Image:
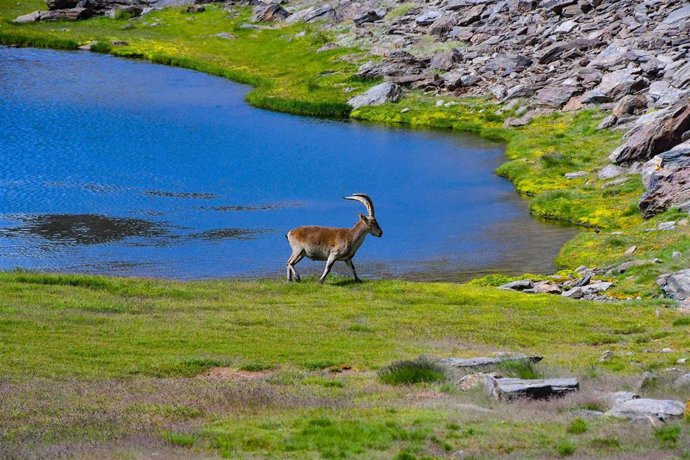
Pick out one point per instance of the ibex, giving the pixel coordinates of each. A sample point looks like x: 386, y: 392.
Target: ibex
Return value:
x: 332, y: 244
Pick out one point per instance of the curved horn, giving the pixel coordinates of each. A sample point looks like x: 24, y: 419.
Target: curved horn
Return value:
x: 365, y: 200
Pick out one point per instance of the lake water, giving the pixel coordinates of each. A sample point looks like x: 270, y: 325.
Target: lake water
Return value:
x: 127, y: 168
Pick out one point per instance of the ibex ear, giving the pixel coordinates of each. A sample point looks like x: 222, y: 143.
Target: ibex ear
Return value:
x: 364, y: 218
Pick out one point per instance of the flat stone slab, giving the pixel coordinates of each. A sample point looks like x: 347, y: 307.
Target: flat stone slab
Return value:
x: 509, y: 388
x: 483, y: 361
x: 661, y: 409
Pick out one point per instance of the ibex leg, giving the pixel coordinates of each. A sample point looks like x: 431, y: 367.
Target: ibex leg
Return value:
x: 329, y: 265
x: 352, y: 267
x: 294, y: 258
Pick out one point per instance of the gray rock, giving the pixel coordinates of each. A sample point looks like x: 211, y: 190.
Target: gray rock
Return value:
x: 610, y: 171
x: 518, y: 285
x: 662, y: 94
x: 321, y: 13
x: 575, y: 175
x: 473, y: 15
x: 510, y: 388
x: 378, y: 95
x: 676, y: 285
x: 465, y: 363
x: 660, y: 409
x: 442, y: 26
x: 270, y: 13
x: 676, y: 20
x: 27, y: 18
x: 630, y: 105
x: 544, y: 287
x: 620, y: 397
x: 683, y: 381
x: 667, y: 179
x: 555, y: 96
x: 615, y: 85
x: 607, y: 122
x: 654, y: 134
x: 427, y: 18
x: 579, y: 292
x: 369, y: 16
x: 445, y: 60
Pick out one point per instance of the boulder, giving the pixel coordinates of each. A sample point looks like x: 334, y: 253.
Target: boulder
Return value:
x: 473, y: 15
x: 630, y: 105
x: 659, y: 409
x: 615, y: 85
x: 71, y: 14
x: 442, y: 26
x: 676, y: 285
x: 511, y: 388
x: 34, y: 16
x: 667, y: 179
x: 556, y: 51
x: 317, y: 13
x: 555, y: 96
x: 519, y: 285
x: 544, y: 287
x: 369, y: 16
x: 270, y: 13
x: 445, y: 60
x: 378, y: 95
x: 427, y: 18
x: 557, y: 6
x: 607, y: 122
x: 610, y: 171
x: 655, y: 133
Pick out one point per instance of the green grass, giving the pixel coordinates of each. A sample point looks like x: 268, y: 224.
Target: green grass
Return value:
x: 420, y: 370
x: 284, y: 68
x: 71, y: 325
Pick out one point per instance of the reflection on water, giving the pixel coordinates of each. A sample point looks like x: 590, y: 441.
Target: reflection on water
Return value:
x: 84, y: 229
x: 229, y: 233
x: 129, y: 168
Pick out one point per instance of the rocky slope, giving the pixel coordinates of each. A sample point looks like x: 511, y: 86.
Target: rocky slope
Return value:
x: 630, y: 57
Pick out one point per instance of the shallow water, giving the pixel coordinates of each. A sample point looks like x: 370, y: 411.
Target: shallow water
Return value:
x: 121, y: 167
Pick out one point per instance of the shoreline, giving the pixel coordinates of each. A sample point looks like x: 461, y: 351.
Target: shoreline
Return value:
x: 540, y: 154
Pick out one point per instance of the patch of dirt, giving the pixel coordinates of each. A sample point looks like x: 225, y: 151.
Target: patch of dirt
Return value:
x: 231, y: 373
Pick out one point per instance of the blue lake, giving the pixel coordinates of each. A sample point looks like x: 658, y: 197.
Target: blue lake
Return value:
x: 128, y: 168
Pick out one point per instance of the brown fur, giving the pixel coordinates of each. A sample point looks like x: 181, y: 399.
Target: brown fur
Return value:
x: 330, y: 244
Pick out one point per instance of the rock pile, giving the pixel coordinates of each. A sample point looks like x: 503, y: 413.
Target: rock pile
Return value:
x: 576, y: 288
x: 74, y: 10
x: 627, y: 56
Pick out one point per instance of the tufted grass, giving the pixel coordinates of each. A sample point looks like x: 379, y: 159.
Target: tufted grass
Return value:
x: 412, y: 371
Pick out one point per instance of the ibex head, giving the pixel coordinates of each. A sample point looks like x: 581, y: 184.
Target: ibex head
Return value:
x: 370, y: 220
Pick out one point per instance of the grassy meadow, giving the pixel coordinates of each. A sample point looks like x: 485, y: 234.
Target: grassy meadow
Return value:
x: 132, y: 368
x: 269, y: 369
